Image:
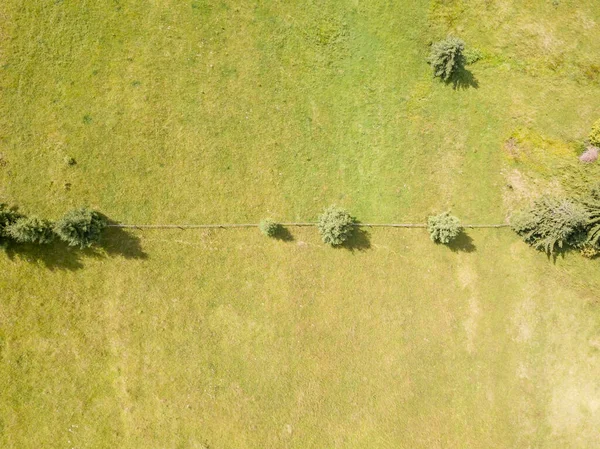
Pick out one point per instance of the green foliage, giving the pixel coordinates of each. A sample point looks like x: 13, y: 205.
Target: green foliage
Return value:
x: 472, y: 55
x: 443, y: 228
x: 269, y: 227
x: 8, y: 216
x: 31, y: 230
x: 335, y: 225
x: 595, y: 134
x: 80, y: 227
x: 447, y: 57
x: 551, y: 222
x: 591, y: 203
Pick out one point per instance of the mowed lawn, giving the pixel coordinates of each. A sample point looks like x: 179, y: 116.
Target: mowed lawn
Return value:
x: 215, y: 111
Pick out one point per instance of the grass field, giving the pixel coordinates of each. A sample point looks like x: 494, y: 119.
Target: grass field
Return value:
x: 227, y: 111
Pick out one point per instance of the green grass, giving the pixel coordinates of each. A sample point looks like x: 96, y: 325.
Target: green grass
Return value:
x: 208, y: 111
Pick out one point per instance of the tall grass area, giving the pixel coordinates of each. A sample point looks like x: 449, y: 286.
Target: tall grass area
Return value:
x: 225, y: 111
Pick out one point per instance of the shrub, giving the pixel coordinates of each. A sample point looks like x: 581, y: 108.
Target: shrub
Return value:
x: 31, y: 230
x: 595, y: 192
x: 335, y: 225
x: 551, y: 222
x: 443, y: 228
x: 595, y: 134
x: 8, y: 216
x: 80, y: 227
x: 269, y: 227
x: 447, y: 57
x: 591, y: 203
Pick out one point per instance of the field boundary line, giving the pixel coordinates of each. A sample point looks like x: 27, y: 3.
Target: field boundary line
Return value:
x: 297, y: 224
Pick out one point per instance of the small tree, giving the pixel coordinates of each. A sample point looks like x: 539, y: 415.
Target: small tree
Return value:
x: 31, y: 230
x: 443, y: 228
x: 447, y: 57
x: 80, y: 227
x: 591, y: 203
x: 269, y: 227
x: 551, y: 222
x: 335, y: 225
x: 8, y: 216
x: 595, y: 134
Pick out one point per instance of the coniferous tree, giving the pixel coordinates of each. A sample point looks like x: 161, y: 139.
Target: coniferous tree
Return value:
x: 80, y: 227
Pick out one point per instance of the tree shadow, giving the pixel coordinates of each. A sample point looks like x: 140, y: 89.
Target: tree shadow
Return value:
x: 560, y: 253
x: 282, y: 233
x: 53, y: 256
x: 359, y: 240
x: 463, y: 79
x: 462, y: 243
x: 121, y: 242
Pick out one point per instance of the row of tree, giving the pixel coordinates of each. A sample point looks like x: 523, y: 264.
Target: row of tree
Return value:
x: 83, y: 227
x: 550, y: 224
x: 336, y: 226
x: 78, y: 227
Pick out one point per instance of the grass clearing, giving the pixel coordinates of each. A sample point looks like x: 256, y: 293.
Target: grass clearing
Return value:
x: 216, y: 111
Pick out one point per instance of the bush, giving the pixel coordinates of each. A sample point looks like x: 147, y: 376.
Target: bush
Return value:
x: 31, y: 230
x: 447, y: 57
x: 551, y: 222
x: 335, y: 225
x: 595, y: 134
x: 269, y: 227
x: 8, y: 216
x: 472, y: 55
x: 443, y: 228
x: 80, y: 227
x: 591, y: 203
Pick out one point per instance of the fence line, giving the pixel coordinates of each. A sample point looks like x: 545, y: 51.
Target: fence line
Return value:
x: 255, y: 225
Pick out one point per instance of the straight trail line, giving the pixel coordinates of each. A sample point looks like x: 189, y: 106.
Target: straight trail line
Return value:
x: 255, y: 225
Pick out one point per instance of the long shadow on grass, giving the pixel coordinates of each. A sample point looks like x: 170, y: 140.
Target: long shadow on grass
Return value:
x: 120, y: 242
x: 359, y: 240
x: 462, y: 243
x: 463, y: 79
x: 283, y: 234
x: 54, y: 256
x: 59, y: 256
